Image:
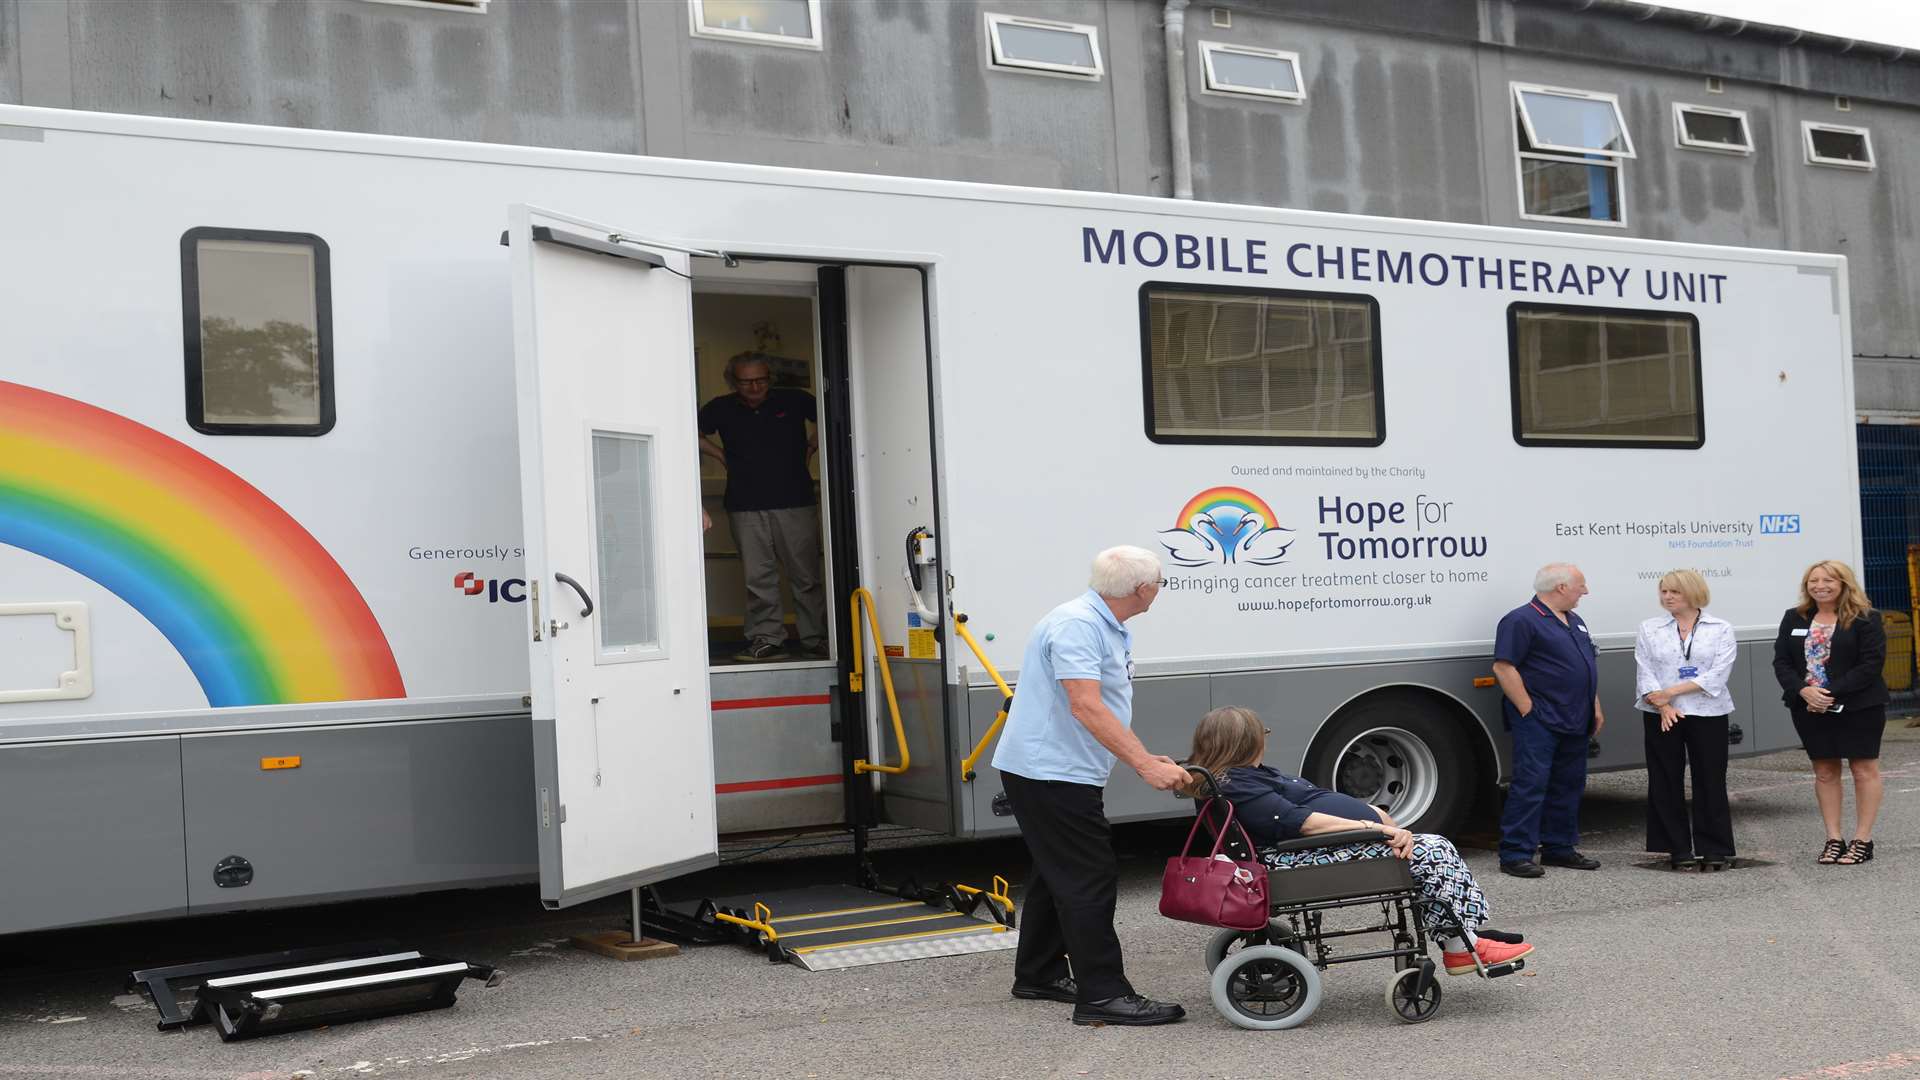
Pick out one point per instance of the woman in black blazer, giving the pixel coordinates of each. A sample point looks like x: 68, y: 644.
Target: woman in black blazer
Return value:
x: 1829, y: 658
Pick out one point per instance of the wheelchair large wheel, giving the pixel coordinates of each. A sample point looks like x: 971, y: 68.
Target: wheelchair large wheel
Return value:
x: 1408, y: 1005
x: 1266, y: 988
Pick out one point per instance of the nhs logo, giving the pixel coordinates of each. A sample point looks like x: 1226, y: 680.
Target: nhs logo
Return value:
x: 1779, y: 523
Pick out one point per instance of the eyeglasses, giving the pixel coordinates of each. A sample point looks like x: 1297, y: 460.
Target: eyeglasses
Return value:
x: 761, y: 381
x: 1266, y: 731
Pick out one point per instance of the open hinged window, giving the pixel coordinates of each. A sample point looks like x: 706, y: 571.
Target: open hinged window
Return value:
x: 1703, y: 127
x: 1838, y: 145
x: 1569, y: 146
x: 1242, y: 70
x: 1045, y: 47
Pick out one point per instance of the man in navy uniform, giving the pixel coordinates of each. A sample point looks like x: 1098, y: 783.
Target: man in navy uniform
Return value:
x: 1546, y: 664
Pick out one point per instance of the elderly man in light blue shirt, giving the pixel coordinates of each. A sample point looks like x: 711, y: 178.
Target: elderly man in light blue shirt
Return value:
x: 1071, y: 720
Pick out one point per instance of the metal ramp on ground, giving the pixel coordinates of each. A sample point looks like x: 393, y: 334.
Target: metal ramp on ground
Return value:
x: 826, y: 927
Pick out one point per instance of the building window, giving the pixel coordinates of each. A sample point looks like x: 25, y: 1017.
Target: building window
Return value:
x: 1044, y: 46
x: 259, y: 332
x: 1838, y: 145
x: 1604, y: 377
x: 477, y: 7
x: 793, y: 23
x: 1241, y: 70
x: 1253, y: 366
x: 1570, y: 145
x: 1702, y: 127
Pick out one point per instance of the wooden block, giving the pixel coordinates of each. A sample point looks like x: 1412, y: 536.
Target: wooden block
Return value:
x: 616, y: 944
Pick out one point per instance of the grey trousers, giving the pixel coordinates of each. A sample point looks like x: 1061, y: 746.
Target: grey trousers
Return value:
x: 771, y: 541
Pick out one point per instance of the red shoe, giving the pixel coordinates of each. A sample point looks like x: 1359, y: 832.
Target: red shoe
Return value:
x: 1492, y: 954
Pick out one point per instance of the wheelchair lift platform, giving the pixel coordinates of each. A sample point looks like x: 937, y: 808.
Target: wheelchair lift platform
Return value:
x: 825, y: 927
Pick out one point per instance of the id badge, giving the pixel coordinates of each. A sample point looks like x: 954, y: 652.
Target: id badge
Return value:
x: 1688, y: 671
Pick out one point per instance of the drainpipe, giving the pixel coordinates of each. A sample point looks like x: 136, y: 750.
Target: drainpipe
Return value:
x: 1179, y: 141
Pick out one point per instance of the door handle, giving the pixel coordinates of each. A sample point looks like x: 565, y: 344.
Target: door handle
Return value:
x: 584, y: 598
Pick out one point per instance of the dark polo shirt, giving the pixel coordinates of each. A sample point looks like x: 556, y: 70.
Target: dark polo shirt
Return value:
x: 766, y: 448
x: 1558, y: 662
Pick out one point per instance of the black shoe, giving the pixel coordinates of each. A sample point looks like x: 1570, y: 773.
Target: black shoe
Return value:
x: 814, y: 652
x: 1130, y: 1011
x: 1572, y: 860
x: 1676, y: 863
x: 1061, y: 989
x: 1524, y: 868
x: 761, y: 652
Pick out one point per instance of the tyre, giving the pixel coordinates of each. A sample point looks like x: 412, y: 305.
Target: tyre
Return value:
x: 1400, y: 752
x: 1265, y: 988
x: 1409, y: 1005
x: 1227, y: 942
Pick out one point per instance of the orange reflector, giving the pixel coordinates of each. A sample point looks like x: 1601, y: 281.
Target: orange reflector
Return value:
x: 280, y: 762
x: 1484, y: 680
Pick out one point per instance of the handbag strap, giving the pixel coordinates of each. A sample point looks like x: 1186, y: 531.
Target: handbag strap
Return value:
x: 1220, y: 834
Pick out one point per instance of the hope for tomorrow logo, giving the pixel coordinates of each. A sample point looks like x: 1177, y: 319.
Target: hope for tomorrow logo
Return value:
x: 1226, y: 525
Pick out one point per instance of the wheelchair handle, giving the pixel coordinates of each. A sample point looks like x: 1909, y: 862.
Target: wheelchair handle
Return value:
x: 1212, y: 786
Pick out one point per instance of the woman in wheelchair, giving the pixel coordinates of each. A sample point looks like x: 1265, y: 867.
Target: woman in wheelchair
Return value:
x: 1275, y: 807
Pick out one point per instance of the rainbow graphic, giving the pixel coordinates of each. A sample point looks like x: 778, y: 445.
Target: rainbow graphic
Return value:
x: 1236, y: 502
x: 255, y: 606
x: 1226, y: 525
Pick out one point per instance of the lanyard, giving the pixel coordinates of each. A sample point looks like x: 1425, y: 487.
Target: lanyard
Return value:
x: 1686, y: 640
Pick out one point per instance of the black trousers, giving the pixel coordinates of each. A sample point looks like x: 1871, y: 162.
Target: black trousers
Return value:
x: 1070, y: 896
x: 1703, y: 739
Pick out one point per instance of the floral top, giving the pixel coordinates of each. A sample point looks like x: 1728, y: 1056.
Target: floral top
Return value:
x: 1819, y: 646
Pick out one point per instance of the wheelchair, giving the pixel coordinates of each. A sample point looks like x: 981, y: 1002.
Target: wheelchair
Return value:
x: 1269, y: 979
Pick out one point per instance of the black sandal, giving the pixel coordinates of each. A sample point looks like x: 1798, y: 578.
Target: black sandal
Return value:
x: 1858, y: 852
x: 1830, y: 854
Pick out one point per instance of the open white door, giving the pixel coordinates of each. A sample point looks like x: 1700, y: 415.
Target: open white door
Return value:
x: 623, y: 745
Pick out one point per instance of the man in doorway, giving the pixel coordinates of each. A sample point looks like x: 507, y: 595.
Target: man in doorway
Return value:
x: 766, y: 439
x: 1071, y: 719
x: 1548, y: 668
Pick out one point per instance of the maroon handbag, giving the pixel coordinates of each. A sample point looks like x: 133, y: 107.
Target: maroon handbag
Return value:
x: 1212, y: 889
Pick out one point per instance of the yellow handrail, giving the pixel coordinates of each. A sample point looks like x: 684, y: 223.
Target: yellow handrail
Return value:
x: 762, y: 920
x: 1006, y: 698
x: 856, y: 681
x: 998, y: 893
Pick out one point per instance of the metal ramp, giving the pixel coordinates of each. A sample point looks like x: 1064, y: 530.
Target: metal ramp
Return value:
x: 825, y: 927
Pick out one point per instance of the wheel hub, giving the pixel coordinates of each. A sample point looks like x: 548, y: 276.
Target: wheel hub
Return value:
x: 1389, y: 767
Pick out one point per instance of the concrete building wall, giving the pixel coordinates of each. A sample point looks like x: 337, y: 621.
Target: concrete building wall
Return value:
x: 1408, y: 110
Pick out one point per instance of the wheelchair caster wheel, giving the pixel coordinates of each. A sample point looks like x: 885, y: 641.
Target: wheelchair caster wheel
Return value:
x: 1410, y: 1003
x: 1266, y: 988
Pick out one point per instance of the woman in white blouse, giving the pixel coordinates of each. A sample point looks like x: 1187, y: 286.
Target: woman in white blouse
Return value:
x: 1683, y: 659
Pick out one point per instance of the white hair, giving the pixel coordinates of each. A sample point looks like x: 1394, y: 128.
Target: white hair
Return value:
x: 1118, y: 571
x: 1552, y: 576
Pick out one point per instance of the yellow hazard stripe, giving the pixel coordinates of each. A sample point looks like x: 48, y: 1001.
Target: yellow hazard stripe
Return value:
x: 991, y: 928
x: 851, y: 911
x: 785, y: 934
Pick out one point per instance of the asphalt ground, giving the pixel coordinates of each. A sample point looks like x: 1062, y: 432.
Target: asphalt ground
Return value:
x: 1769, y: 972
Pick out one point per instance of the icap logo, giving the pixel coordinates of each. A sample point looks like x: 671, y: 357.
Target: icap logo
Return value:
x: 496, y: 589
x: 1226, y: 525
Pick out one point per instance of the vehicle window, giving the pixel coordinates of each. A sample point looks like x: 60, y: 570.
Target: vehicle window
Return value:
x: 258, y: 334
x: 1604, y: 377
x: 1260, y: 367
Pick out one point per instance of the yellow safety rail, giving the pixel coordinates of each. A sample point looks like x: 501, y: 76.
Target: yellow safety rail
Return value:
x: 762, y: 920
x: 1006, y: 698
x: 856, y: 681
x: 999, y: 893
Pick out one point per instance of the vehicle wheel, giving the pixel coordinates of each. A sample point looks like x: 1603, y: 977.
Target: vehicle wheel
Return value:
x: 1408, y: 1006
x: 1266, y: 988
x: 1401, y: 753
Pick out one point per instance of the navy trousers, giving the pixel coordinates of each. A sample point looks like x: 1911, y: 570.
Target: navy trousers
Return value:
x: 1543, y: 804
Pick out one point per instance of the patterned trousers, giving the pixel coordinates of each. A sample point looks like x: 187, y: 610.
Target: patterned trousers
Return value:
x: 1449, y: 897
